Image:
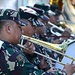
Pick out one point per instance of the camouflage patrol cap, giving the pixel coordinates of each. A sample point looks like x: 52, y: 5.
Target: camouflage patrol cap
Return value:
x: 42, y: 6
x: 40, y: 13
x: 9, y: 14
x: 46, y: 8
x: 55, y: 9
x: 31, y: 15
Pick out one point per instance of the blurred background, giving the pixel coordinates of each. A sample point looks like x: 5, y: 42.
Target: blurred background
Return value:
x: 15, y: 4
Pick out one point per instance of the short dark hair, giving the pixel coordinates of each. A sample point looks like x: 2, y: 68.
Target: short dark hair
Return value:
x: 3, y: 23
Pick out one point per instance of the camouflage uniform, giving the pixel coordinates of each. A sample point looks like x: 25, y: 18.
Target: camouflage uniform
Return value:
x: 14, y: 62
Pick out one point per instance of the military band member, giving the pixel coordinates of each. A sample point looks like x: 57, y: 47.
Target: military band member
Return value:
x: 12, y: 59
x: 26, y: 17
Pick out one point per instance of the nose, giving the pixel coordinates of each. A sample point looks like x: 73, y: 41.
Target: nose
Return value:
x: 22, y: 31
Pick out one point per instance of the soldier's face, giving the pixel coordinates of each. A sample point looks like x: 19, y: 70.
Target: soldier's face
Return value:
x: 28, y: 30
x: 16, y: 33
x: 41, y: 30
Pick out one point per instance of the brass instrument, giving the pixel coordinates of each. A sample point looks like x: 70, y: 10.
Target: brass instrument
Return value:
x: 54, y: 2
x: 53, y: 47
x: 43, y: 43
x: 41, y: 55
x: 48, y: 56
x: 54, y: 26
x: 60, y: 29
x: 59, y: 3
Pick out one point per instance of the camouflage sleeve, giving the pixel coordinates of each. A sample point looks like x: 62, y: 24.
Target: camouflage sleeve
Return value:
x: 60, y: 72
x: 13, y: 62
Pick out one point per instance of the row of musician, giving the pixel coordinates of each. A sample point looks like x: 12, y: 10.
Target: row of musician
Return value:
x: 43, y: 23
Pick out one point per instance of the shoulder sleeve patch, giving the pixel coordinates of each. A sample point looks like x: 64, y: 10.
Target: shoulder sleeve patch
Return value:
x: 1, y: 42
x: 19, y: 57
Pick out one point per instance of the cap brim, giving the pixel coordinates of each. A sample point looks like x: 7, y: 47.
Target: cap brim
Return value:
x: 51, y: 13
x: 21, y: 22
x: 37, y: 23
x: 45, y: 18
x: 57, y: 12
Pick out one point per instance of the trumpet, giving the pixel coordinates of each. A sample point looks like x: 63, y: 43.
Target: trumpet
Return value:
x: 59, y: 31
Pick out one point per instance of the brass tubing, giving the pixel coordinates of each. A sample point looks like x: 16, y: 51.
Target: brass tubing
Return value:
x: 42, y: 55
x: 54, y: 47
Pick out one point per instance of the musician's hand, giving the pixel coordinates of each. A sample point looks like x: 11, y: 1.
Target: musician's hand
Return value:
x: 52, y: 69
x: 43, y: 63
x: 69, y: 68
x: 67, y: 34
x: 30, y: 46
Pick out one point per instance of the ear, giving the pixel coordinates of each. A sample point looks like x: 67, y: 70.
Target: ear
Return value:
x: 34, y: 29
x: 8, y: 29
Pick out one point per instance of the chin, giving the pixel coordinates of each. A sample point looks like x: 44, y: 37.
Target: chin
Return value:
x: 17, y: 42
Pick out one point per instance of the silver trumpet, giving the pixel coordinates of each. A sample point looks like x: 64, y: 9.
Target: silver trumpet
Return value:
x: 57, y: 30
